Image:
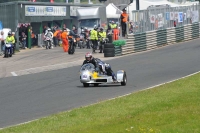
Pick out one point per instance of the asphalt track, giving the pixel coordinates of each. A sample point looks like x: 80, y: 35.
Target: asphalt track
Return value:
x: 32, y: 96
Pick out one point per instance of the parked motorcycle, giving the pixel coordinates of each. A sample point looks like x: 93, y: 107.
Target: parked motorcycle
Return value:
x: 8, y: 50
x: 82, y: 41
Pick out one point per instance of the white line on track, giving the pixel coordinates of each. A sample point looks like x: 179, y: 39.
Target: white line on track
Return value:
x: 13, y: 73
x: 115, y: 97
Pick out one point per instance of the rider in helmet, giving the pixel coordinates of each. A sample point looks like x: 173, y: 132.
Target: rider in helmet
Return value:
x: 90, y: 59
x: 10, y: 39
x: 100, y: 66
x: 49, y: 34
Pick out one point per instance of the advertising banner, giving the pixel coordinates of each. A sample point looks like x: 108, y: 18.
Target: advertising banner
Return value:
x: 45, y: 10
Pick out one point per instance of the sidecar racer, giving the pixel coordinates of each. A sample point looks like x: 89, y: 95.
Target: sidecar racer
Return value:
x: 88, y: 76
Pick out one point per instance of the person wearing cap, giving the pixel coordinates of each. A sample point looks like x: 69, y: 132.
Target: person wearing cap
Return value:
x: 124, y: 19
x: 64, y: 37
x: 113, y: 25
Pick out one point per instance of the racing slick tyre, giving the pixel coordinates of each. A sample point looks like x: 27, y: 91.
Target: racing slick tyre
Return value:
x: 123, y: 83
x: 108, y: 45
x: 71, y: 49
x: 86, y: 84
x: 109, y: 52
x: 6, y: 54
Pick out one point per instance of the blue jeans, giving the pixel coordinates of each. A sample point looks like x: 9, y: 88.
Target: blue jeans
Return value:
x: 2, y: 47
x: 24, y: 43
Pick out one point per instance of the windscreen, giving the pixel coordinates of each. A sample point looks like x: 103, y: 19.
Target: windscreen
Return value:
x: 87, y: 66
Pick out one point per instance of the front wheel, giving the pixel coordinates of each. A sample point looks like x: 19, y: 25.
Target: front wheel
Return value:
x: 47, y: 45
x: 6, y: 53
x: 86, y: 84
x: 123, y: 83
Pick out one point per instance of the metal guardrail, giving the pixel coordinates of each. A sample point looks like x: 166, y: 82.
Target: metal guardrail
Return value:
x: 40, y: 40
x: 164, y: 17
x: 158, y: 38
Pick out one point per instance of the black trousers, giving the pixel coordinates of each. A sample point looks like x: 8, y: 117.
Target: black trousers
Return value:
x: 55, y: 41
x: 123, y: 29
x: 101, y: 47
x: 95, y: 43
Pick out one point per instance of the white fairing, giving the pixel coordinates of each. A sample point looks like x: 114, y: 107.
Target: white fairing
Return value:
x: 8, y: 45
x: 85, y: 76
x: 120, y: 75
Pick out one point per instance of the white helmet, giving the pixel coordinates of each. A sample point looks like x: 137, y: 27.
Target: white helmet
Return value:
x: 49, y: 29
x: 88, y: 56
x: 68, y: 30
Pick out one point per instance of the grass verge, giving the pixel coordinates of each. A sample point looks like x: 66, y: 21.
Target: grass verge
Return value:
x: 170, y: 108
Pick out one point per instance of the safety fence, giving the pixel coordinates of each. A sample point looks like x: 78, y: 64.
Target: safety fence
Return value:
x: 40, y: 40
x: 158, y: 38
x: 157, y: 18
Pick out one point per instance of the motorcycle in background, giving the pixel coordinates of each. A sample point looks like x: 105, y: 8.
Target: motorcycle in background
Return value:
x: 82, y: 41
x: 72, y: 45
x: 48, y: 43
x: 8, y: 50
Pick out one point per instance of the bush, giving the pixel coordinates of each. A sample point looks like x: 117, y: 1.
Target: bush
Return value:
x: 119, y: 42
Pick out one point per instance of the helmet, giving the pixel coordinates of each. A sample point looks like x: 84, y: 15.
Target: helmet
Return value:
x: 85, y: 28
x: 101, y: 29
x: 95, y: 27
x: 9, y: 33
x: 88, y: 56
x: 68, y: 30
x: 110, y: 21
x: 113, y: 22
x: 49, y: 29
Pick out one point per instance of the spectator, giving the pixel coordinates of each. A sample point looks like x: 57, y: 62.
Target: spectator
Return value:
x: 124, y: 19
x: 74, y: 29
x: 24, y: 40
x: 2, y: 40
x: 33, y: 38
x: 44, y: 29
x: 174, y: 23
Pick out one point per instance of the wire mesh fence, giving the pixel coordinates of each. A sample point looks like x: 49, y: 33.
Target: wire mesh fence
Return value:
x: 162, y: 18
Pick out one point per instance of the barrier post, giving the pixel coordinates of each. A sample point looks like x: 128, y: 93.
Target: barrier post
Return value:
x: 29, y: 37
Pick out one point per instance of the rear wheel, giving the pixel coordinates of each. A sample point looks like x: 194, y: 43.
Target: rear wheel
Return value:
x: 47, y: 44
x: 123, y: 83
x: 85, y: 84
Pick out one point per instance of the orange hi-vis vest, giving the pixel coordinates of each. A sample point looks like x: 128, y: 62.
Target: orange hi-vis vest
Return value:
x: 64, y: 35
x: 125, y: 17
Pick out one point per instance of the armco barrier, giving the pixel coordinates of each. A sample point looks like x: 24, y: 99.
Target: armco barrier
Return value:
x: 158, y: 38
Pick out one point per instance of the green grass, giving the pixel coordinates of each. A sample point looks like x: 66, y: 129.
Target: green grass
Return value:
x: 170, y: 108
